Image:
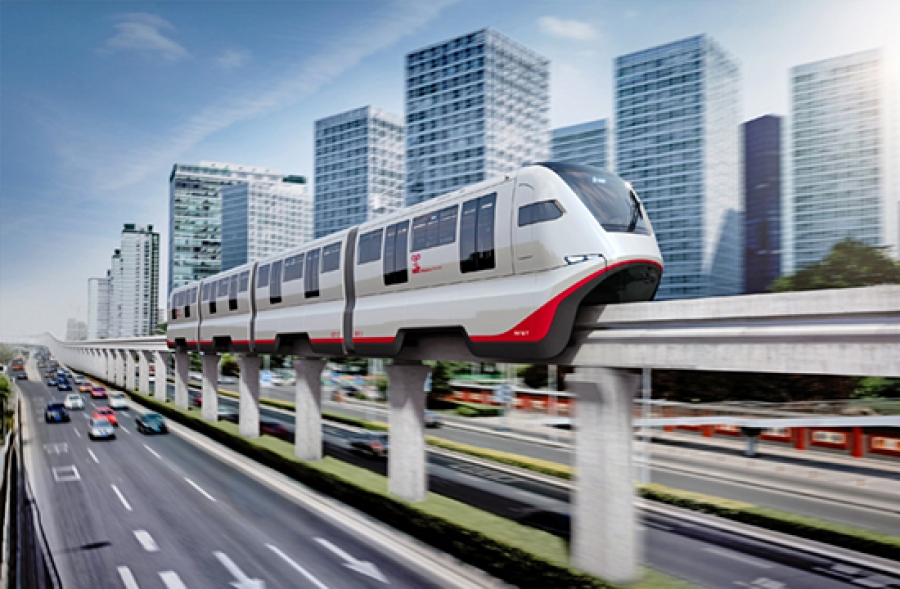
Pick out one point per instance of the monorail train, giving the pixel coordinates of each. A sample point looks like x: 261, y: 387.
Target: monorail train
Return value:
x: 503, y: 264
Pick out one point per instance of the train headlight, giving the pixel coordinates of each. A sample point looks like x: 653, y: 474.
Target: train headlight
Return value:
x: 582, y: 258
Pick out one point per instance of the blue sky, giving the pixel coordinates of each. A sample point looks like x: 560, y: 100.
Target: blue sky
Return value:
x: 99, y: 99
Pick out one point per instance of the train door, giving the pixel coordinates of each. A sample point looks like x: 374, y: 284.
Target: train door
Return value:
x: 523, y: 235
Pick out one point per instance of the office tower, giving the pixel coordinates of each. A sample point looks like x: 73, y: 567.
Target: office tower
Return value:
x: 116, y: 287
x: 762, y: 202
x: 195, y: 216
x: 264, y: 216
x: 840, y: 158
x: 98, y: 307
x: 586, y: 143
x: 359, y: 168
x: 76, y: 330
x: 677, y: 142
x: 476, y: 107
x: 134, y: 283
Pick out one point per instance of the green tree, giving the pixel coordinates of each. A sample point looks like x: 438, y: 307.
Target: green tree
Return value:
x: 229, y: 366
x: 874, y: 387
x: 4, y: 386
x: 849, y: 264
x: 6, y: 354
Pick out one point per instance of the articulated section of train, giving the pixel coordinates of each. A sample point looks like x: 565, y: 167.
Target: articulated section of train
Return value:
x: 504, y: 265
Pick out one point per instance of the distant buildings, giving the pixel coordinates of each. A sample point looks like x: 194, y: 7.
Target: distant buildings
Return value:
x: 359, y: 167
x: 586, y: 143
x: 476, y: 107
x: 840, y: 158
x: 76, y: 330
x: 676, y: 127
x: 98, y: 307
x: 762, y: 202
x: 263, y: 216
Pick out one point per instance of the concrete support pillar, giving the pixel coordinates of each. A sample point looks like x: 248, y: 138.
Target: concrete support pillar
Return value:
x: 308, y: 412
x: 604, y: 530
x: 130, y: 371
x: 248, y: 419
x: 110, y: 366
x: 406, y: 462
x: 210, y: 400
x: 120, y: 368
x: 144, y: 358
x: 182, y: 364
x: 161, y: 377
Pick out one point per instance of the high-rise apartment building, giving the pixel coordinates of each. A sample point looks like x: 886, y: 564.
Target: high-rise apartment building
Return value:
x: 76, y: 330
x: 98, y: 307
x: 264, y: 216
x: 476, y: 106
x: 677, y: 141
x: 359, y: 167
x: 116, y: 280
x: 195, y: 217
x: 587, y: 144
x: 762, y: 202
x: 134, y: 283
x: 841, y: 160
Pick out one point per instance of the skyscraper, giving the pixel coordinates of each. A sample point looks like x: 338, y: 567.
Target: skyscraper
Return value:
x: 677, y: 122
x: 476, y: 107
x: 134, y: 283
x: 586, y: 143
x: 762, y: 200
x: 264, y: 216
x: 195, y: 217
x: 359, y: 167
x: 98, y: 307
x: 840, y: 158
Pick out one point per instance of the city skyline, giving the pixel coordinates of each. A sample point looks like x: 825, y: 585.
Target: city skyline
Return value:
x: 67, y: 138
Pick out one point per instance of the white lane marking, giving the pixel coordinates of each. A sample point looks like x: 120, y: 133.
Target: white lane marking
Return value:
x: 127, y: 578
x: 121, y: 497
x: 242, y: 581
x: 152, y: 451
x: 739, y: 557
x: 122, y: 427
x: 76, y: 433
x: 146, y: 540
x: 94, y: 456
x: 196, y: 486
x: 66, y: 474
x: 360, y: 566
x: 171, y: 580
x: 297, y: 567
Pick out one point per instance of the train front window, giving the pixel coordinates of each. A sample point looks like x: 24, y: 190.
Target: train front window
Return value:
x: 611, y: 201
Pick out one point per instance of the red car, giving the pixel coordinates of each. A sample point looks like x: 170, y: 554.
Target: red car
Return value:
x: 107, y: 414
x: 98, y: 392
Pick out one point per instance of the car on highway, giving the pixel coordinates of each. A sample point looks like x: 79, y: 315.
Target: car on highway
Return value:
x: 118, y: 400
x: 195, y: 398
x: 228, y: 415
x: 49, y: 374
x: 21, y: 375
x: 371, y: 444
x: 55, y: 412
x: 106, y: 413
x: 433, y: 420
x: 74, y: 401
x: 151, y: 423
x: 195, y: 376
x: 51, y: 382
x: 276, y: 430
x: 101, y: 428
x: 63, y: 384
x: 98, y: 392
x: 85, y: 387
x: 227, y: 379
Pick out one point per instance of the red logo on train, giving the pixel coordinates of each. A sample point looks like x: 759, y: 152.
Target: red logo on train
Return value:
x: 415, y: 263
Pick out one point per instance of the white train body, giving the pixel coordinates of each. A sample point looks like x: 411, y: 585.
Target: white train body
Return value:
x: 503, y: 264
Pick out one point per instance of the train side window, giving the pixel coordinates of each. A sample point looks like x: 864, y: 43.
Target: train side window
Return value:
x: 293, y: 268
x: 539, y: 212
x: 245, y: 280
x: 311, y: 282
x: 331, y: 257
x: 396, y: 247
x: 233, y: 293
x: 447, y: 231
x: 262, y: 276
x: 434, y: 229
x: 476, y: 234
x: 369, y: 247
x: 175, y: 306
x: 204, y: 292
x: 223, y: 288
x: 186, y: 304
x: 275, y: 283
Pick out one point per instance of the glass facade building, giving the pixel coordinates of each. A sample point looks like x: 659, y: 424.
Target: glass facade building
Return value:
x: 134, y: 283
x: 264, y: 216
x: 762, y: 202
x: 677, y: 141
x: 359, y: 168
x: 195, y: 217
x: 586, y: 144
x: 98, y: 307
x: 840, y: 158
x: 477, y: 106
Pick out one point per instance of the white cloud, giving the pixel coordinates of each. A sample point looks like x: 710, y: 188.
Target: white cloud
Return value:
x: 143, y: 33
x: 231, y: 59
x: 567, y: 29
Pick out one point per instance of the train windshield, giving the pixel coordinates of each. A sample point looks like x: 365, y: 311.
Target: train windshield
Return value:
x: 612, y: 202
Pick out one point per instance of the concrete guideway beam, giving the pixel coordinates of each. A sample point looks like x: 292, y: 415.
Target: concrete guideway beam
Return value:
x: 110, y: 375
x: 248, y: 404
x: 161, y: 379
x: 407, y: 477
x: 120, y: 368
x: 130, y: 371
x: 210, y: 399
x: 144, y: 358
x: 308, y: 411
x: 604, y: 524
x: 182, y: 364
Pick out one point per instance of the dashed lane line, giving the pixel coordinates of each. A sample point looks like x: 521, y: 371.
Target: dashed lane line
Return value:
x: 739, y: 557
x: 196, y: 486
x: 121, y: 497
x: 77, y: 433
x: 297, y: 567
x: 152, y: 451
x: 94, y: 456
x: 127, y: 578
x: 171, y: 580
x: 122, y: 427
x: 146, y: 540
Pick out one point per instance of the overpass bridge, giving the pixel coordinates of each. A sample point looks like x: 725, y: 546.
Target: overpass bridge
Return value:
x: 832, y: 332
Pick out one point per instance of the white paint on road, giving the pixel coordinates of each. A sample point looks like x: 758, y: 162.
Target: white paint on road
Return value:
x: 171, y: 580
x: 76, y: 433
x: 363, y: 567
x: 146, y: 540
x: 196, y: 486
x: 127, y: 578
x: 94, y: 456
x: 121, y: 497
x: 122, y: 427
x: 242, y: 581
x: 152, y: 451
x: 66, y: 474
x: 739, y: 557
x: 297, y: 567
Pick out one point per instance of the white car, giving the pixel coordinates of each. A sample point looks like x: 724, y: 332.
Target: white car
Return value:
x: 117, y: 400
x: 73, y: 401
x: 101, y: 428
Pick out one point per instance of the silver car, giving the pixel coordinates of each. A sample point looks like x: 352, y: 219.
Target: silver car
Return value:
x: 74, y: 401
x: 101, y: 429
